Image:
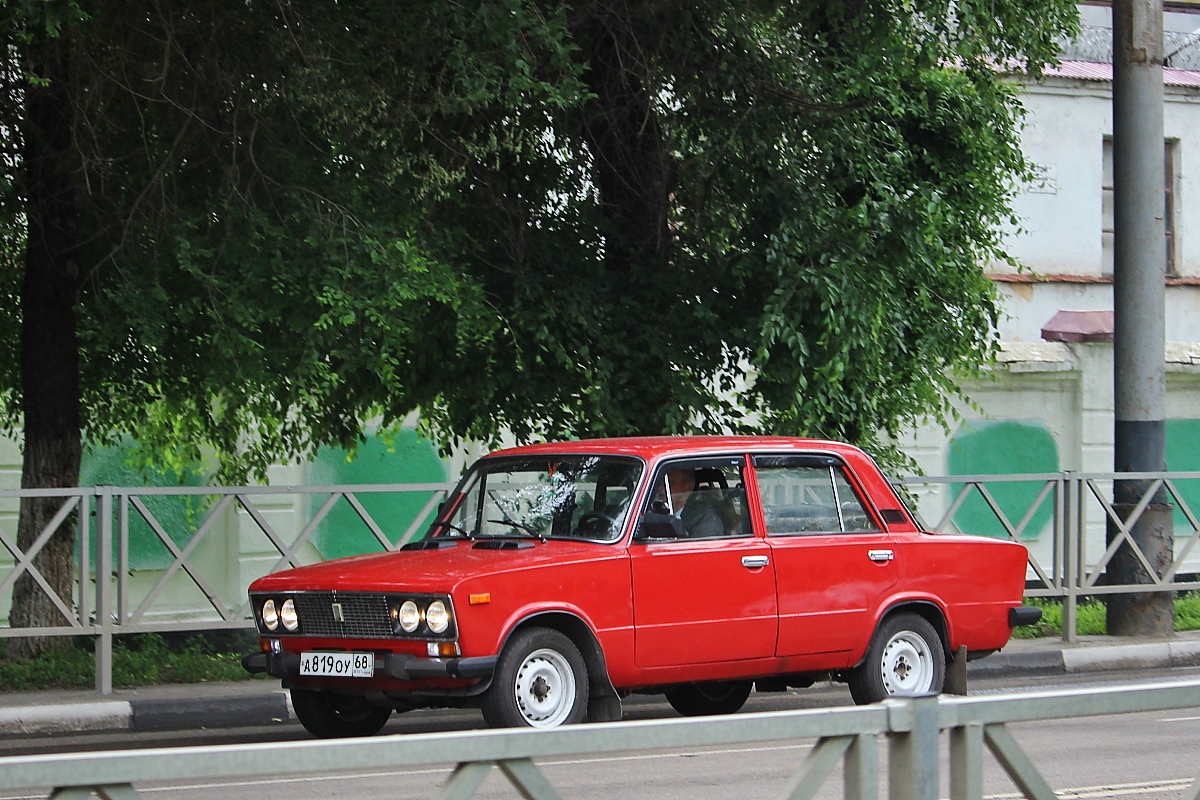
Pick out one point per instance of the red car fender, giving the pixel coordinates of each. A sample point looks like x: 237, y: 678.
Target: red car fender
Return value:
x: 573, y: 622
x: 927, y: 606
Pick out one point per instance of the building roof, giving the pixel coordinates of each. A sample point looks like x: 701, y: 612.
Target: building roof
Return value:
x: 1101, y: 72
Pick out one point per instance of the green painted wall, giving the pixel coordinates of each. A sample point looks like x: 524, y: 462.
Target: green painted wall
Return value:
x: 178, y: 516
x: 409, y: 459
x: 1003, y: 448
x: 1183, y: 455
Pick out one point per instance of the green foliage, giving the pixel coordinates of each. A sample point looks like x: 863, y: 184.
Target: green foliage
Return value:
x: 1187, y: 612
x: 554, y: 217
x: 1091, y: 619
x: 138, y: 661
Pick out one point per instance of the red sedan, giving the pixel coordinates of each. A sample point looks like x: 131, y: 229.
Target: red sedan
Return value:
x: 559, y: 578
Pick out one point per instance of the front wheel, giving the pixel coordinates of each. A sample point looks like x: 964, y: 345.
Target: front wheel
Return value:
x: 703, y: 699
x: 905, y: 659
x: 328, y: 715
x: 540, y: 682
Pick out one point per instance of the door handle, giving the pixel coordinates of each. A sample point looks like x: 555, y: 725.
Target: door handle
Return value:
x: 754, y: 562
x: 880, y: 556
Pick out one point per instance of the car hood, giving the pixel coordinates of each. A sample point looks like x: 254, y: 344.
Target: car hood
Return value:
x: 433, y: 570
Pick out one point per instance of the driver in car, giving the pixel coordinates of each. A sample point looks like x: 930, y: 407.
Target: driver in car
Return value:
x: 700, y: 520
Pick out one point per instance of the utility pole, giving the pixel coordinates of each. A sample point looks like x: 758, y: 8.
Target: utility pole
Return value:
x: 1139, y: 335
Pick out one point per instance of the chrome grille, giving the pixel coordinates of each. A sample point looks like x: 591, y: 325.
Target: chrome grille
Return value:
x: 364, y: 615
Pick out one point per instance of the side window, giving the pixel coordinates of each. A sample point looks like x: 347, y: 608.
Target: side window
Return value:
x: 854, y: 513
x: 706, y: 499
x: 808, y: 494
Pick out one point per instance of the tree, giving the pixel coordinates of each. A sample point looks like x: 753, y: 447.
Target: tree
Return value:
x: 555, y: 218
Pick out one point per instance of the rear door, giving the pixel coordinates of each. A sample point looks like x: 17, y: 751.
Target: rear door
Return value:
x: 709, y: 596
x: 833, y: 560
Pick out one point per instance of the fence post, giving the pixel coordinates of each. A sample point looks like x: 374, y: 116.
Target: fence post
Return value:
x: 1073, y: 533
x: 913, y: 748
x: 104, y: 644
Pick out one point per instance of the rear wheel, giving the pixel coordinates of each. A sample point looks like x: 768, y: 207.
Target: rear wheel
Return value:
x: 540, y: 682
x: 329, y: 715
x: 703, y: 699
x: 905, y: 659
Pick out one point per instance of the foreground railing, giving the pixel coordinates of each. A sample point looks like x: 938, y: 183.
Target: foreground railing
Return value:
x: 911, y: 730
x: 205, y: 564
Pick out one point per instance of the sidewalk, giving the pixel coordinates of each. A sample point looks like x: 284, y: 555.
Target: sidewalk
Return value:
x: 262, y: 702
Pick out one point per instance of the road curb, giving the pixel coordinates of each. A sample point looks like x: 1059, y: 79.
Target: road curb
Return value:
x: 213, y: 712
x: 158, y: 714
x: 1040, y: 662
x: 111, y: 715
x: 1132, y: 656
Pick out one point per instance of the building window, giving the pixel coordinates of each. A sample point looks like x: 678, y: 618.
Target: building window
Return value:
x: 1170, y: 178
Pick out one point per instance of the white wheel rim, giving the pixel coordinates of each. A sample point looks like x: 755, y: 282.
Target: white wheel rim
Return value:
x: 907, y: 665
x: 545, y: 689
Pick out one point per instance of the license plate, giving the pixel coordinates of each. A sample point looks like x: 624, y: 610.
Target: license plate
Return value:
x: 341, y: 665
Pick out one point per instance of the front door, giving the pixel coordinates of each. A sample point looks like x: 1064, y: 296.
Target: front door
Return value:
x: 706, y: 592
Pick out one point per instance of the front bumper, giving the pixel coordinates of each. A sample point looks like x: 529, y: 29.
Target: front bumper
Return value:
x: 394, y: 666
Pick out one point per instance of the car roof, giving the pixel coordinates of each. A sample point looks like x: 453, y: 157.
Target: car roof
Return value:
x: 654, y: 447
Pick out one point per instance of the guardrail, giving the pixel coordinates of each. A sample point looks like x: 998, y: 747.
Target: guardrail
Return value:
x: 911, y: 729
x: 1085, y: 531
x: 107, y: 600
x: 111, y: 595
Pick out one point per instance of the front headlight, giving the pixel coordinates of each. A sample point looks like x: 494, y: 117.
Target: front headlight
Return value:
x: 287, y: 615
x: 437, y: 617
x: 270, y: 616
x: 409, y: 616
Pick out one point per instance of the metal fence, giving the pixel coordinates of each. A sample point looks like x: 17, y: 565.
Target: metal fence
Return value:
x: 224, y: 537
x: 111, y: 596
x: 910, y: 729
x: 1069, y: 554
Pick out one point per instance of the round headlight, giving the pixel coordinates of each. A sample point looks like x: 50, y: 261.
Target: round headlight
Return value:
x: 437, y: 617
x: 287, y: 615
x: 270, y: 616
x: 409, y: 616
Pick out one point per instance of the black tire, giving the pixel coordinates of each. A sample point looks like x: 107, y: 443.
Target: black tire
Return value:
x: 540, y: 682
x: 703, y: 699
x: 328, y: 715
x: 905, y: 659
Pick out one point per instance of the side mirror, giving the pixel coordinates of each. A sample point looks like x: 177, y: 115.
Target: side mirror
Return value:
x: 658, y: 524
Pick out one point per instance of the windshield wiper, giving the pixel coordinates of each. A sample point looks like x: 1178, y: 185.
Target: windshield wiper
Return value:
x: 521, y: 526
x: 467, y: 534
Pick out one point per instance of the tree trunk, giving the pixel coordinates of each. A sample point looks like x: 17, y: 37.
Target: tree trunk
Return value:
x: 632, y: 165
x: 633, y: 172
x: 49, y: 349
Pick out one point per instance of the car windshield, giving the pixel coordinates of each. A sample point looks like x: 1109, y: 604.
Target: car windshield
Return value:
x: 586, y: 497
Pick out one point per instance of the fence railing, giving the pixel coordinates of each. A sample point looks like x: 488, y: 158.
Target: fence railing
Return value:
x: 911, y: 730
x: 219, y: 540
x: 1072, y: 528
x: 180, y: 559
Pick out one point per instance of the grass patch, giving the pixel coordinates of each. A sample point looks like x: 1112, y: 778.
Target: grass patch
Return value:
x: 141, y: 660
x: 1090, y: 617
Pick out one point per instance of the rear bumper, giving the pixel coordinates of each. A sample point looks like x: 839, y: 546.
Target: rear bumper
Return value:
x: 1023, y: 615
x: 394, y: 666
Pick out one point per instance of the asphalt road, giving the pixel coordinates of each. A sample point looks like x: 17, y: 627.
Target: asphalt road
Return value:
x: 1144, y: 756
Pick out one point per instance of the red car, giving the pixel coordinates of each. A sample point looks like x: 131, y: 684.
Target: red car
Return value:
x: 559, y: 578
